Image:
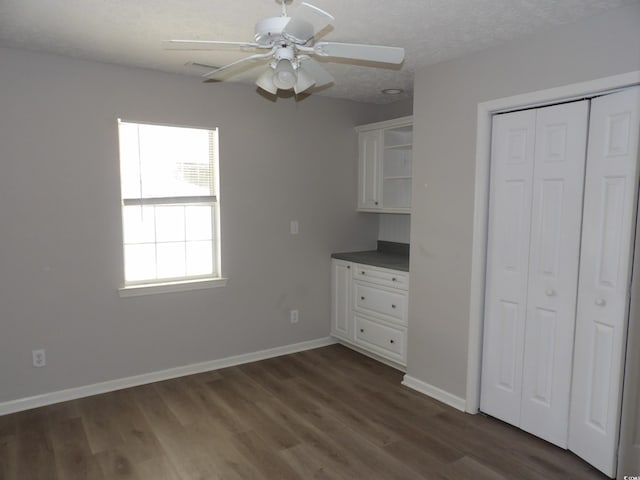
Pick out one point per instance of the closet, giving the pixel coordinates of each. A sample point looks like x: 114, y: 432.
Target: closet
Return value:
x: 563, y: 194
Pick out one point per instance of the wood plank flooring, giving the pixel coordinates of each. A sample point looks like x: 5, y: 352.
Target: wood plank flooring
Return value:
x: 328, y: 413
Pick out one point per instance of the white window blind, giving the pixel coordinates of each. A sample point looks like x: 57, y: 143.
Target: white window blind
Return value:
x: 169, y: 202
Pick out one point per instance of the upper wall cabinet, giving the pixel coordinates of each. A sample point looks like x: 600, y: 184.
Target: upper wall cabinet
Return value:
x: 384, y: 166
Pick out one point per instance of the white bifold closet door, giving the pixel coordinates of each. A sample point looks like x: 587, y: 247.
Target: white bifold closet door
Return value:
x: 537, y: 175
x: 554, y: 254
x: 513, y: 138
x: 609, y: 220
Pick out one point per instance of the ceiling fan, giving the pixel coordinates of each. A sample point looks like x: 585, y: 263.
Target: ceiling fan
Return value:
x: 289, y: 42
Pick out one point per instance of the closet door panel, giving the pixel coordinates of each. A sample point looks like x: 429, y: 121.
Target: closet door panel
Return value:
x: 560, y: 153
x: 507, y: 264
x: 605, y: 268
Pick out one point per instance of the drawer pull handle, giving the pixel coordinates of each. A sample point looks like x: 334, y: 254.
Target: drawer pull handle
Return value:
x: 376, y: 203
x: 393, y: 279
x: 348, y: 266
x: 392, y: 341
x: 361, y: 298
x: 362, y: 330
x: 362, y: 272
x: 393, y: 306
x: 601, y: 302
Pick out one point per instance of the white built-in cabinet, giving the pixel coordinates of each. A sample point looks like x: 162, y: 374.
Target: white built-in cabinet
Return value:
x: 385, y: 166
x: 369, y: 309
x: 563, y: 196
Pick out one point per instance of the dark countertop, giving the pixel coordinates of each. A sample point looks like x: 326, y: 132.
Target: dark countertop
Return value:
x: 388, y: 255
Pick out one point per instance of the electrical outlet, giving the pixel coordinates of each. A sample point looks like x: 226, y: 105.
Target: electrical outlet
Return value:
x: 39, y: 358
x: 293, y: 316
x: 294, y: 227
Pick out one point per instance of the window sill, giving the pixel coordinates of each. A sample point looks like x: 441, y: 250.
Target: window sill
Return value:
x: 171, y: 287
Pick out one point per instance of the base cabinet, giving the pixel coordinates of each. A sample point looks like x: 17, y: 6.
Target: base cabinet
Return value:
x: 369, y: 309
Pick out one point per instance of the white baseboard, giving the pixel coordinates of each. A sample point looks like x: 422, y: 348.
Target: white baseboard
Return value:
x: 118, y: 384
x: 434, y: 392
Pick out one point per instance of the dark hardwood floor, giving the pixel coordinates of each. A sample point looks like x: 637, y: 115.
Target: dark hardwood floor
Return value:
x: 328, y: 413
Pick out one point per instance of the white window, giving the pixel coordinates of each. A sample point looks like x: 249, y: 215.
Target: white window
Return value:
x: 169, y: 185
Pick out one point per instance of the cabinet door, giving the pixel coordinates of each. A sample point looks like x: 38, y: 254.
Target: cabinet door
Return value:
x: 341, y: 321
x: 507, y: 264
x: 560, y: 154
x: 611, y: 184
x: 369, y: 170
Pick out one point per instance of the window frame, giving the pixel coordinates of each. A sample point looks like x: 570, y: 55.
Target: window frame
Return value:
x: 131, y: 288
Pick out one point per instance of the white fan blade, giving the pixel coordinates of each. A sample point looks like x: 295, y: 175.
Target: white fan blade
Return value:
x: 315, y: 70
x: 214, y: 73
x: 205, y: 45
x: 355, y: 51
x: 306, y: 21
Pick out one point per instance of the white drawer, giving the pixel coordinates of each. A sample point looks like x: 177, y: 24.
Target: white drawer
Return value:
x: 390, y: 304
x: 385, y: 340
x: 381, y: 276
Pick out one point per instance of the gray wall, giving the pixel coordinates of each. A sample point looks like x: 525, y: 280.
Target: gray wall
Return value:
x: 445, y: 106
x: 394, y: 227
x: 60, y: 226
x: 400, y: 108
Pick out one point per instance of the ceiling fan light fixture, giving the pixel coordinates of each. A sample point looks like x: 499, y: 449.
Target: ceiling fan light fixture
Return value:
x: 288, y: 43
x: 265, y: 82
x: 304, y: 81
x: 284, y: 75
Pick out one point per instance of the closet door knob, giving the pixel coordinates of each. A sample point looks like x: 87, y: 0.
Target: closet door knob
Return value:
x: 392, y: 341
x: 550, y: 292
x: 393, y: 306
x: 393, y: 279
x: 362, y: 330
x: 601, y: 302
x: 361, y: 298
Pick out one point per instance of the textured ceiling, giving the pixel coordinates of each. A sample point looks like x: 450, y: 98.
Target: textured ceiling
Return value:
x: 130, y: 32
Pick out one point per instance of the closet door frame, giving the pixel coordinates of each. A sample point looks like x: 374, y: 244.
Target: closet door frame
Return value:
x: 481, y: 201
